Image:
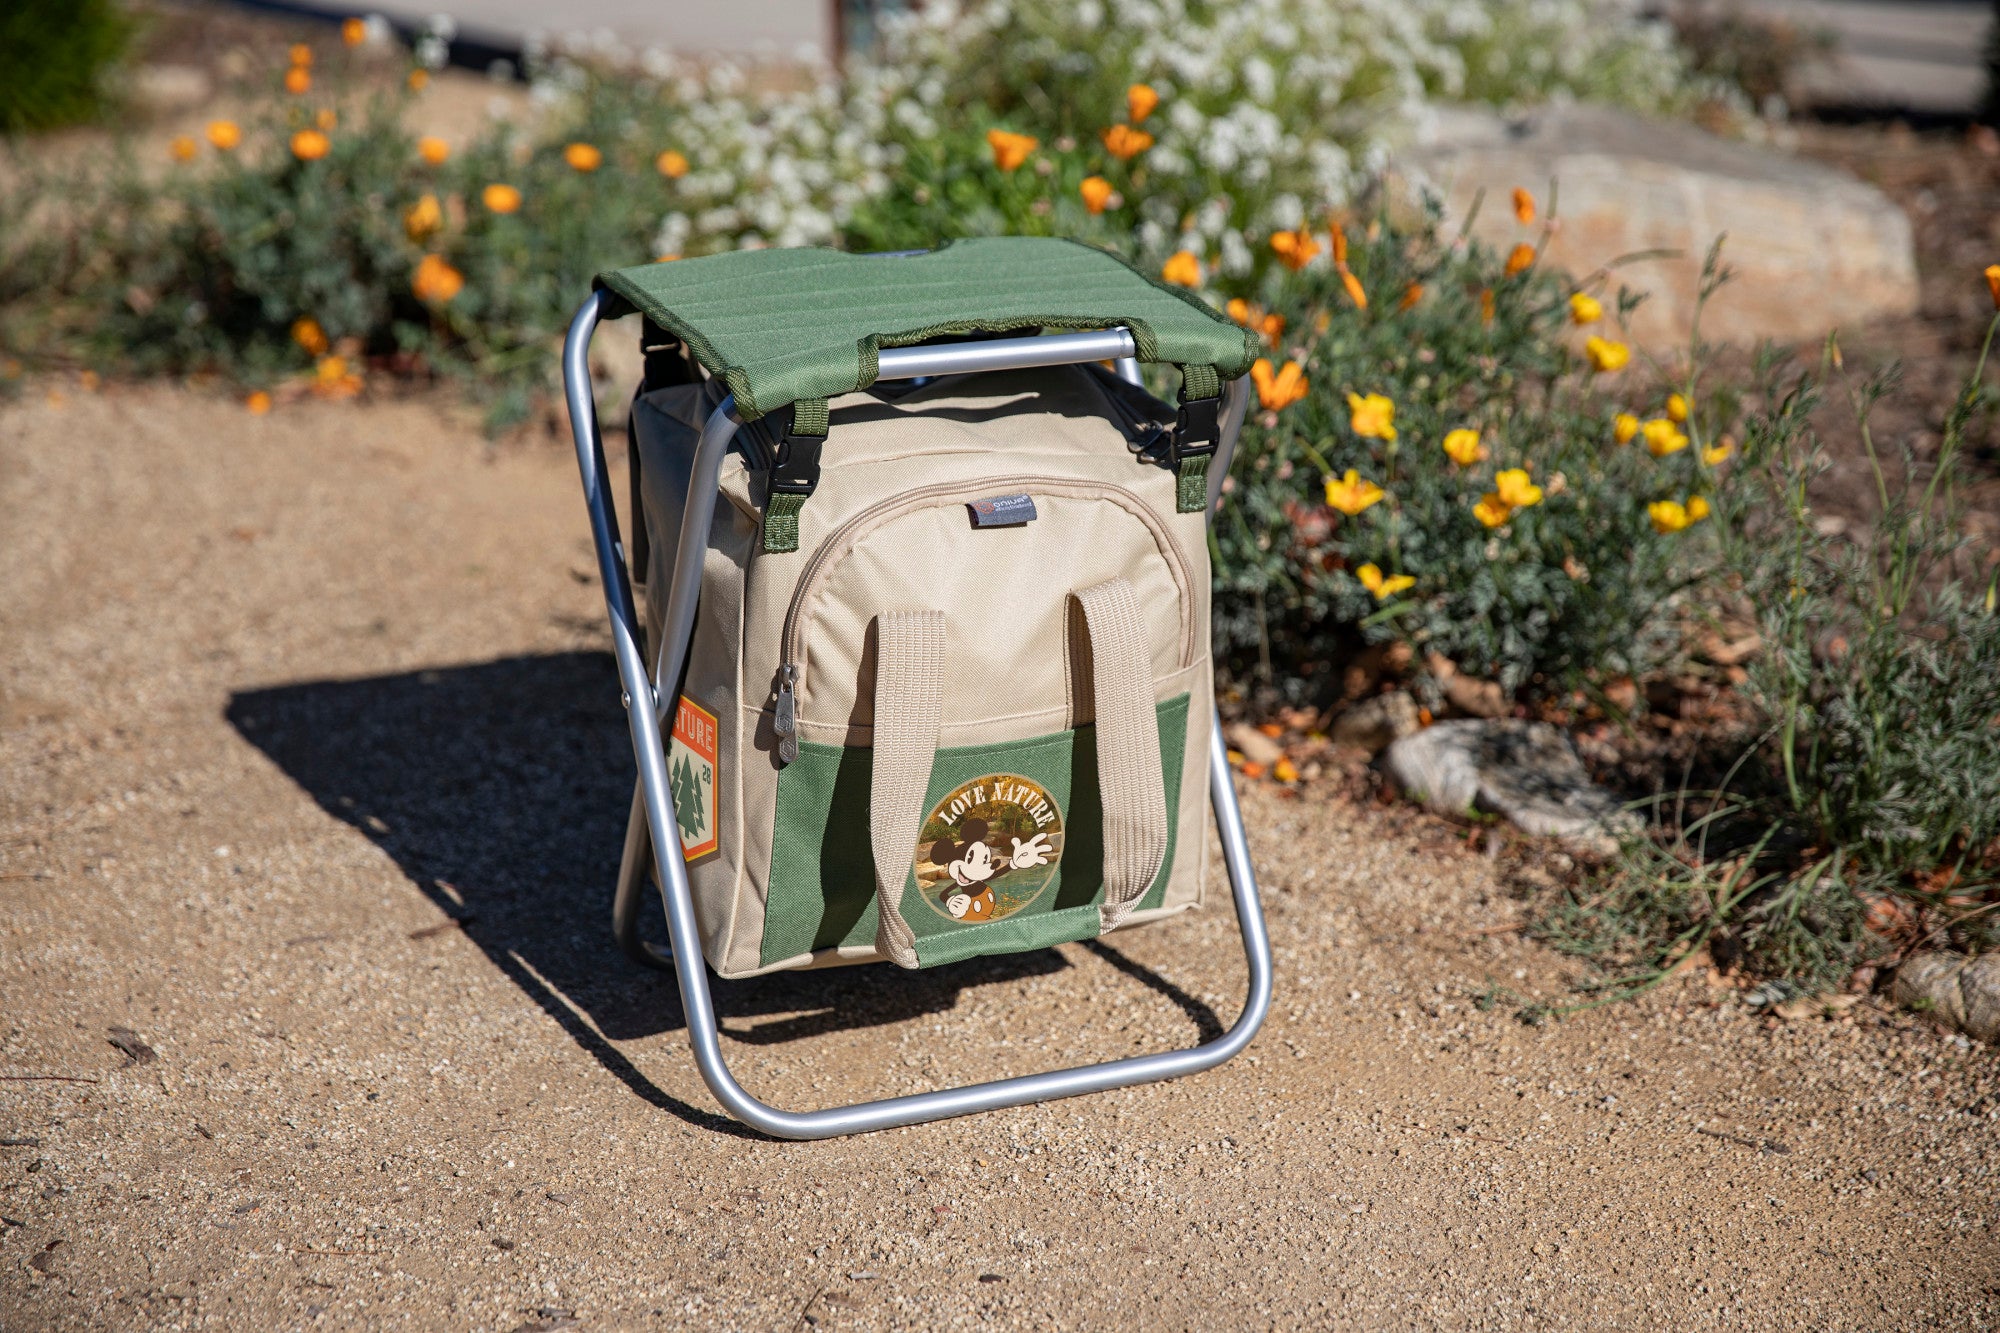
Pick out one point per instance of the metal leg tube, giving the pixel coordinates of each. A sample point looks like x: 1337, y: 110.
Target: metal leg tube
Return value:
x: 644, y: 710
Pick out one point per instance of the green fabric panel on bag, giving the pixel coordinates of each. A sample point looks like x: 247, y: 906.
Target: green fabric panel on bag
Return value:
x: 822, y: 886
x: 778, y: 326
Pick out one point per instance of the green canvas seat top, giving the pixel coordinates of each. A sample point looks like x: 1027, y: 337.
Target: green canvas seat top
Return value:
x: 780, y: 326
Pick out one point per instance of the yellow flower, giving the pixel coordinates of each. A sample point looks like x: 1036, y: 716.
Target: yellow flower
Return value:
x: 436, y: 280
x: 1294, y: 248
x: 1697, y: 508
x: 1521, y: 259
x: 1411, y: 295
x: 433, y: 150
x: 1240, y: 310
x: 1096, y: 192
x: 672, y: 164
x: 1125, y: 143
x: 1285, y: 770
x: 1668, y: 516
x: 183, y: 148
x: 1677, y: 408
x: 1355, y: 292
x: 1491, y: 510
x: 1623, y: 427
x: 1278, y: 390
x: 302, y: 55
x: 1272, y: 327
x: 1993, y: 283
x: 1140, y: 99
x: 500, y: 198
x: 418, y: 80
x: 1524, y: 206
x: 224, y: 134
x: 583, y: 157
x: 307, y: 333
x: 1515, y: 490
x: 1486, y: 306
x: 258, y: 403
x: 1585, y: 309
x: 1462, y: 446
x: 1605, y: 355
x: 1383, y: 588
x: 424, y: 217
x: 1183, y: 270
x: 327, y: 118
x: 1350, y: 494
x: 354, y: 32
x: 1716, y: 453
x: 298, y: 80
x: 1373, y: 416
x: 1010, y: 150
x: 310, y: 145
x: 1663, y: 437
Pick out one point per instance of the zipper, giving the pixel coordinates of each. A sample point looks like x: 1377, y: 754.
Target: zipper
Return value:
x: 791, y: 670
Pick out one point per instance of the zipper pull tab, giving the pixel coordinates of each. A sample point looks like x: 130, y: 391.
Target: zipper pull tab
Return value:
x: 785, y: 719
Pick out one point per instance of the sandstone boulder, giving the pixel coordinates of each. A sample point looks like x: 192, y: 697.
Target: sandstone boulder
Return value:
x: 1812, y: 247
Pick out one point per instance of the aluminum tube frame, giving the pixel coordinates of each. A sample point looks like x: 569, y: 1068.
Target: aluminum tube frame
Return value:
x: 653, y: 798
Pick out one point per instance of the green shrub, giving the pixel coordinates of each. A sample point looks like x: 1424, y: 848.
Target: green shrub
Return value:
x: 54, y: 58
x: 1559, y: 593
x: 1862, y: 815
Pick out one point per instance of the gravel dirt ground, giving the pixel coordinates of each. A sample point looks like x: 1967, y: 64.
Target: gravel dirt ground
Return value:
x: 312, y: 776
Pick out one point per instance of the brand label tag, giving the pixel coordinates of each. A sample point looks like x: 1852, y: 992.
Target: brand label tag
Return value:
x: 1003, y: 511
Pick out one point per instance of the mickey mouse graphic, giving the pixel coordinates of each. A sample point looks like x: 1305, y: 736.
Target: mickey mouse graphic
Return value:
x: 971, y: 863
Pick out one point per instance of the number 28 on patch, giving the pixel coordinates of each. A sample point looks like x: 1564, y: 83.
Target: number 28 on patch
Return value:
x: 691, y: 778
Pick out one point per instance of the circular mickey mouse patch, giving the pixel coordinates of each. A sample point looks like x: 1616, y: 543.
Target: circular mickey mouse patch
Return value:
x: 989, y: 848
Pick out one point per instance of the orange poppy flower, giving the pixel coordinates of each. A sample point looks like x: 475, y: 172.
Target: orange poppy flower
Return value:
x: 1126, y: 143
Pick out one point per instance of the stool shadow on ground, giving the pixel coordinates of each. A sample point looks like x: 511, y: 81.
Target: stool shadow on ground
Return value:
x: 506, y: 783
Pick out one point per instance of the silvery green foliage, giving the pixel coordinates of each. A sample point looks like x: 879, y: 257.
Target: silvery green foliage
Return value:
x: 1270, y: 111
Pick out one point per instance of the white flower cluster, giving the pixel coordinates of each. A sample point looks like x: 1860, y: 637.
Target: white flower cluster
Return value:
x: 1271, y: 110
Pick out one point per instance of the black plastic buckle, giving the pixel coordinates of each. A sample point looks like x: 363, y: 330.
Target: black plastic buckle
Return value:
x: 1197, y: 430
x: 794, y: 459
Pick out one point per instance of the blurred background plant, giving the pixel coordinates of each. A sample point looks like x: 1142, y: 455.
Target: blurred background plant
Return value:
x: 1256, y: 118
x: 57, y: 61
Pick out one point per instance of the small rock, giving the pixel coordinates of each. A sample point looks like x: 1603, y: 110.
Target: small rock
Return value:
x: 1963, y: 991
x: 1375, y: 723
x: 1525, y: 771
x: 1813, y: 1006
x: 137, y: 1052
x: 1253, y: 744
x: 1480, y: 698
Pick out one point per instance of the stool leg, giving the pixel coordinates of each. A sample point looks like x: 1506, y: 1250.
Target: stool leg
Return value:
x: 632, y: 868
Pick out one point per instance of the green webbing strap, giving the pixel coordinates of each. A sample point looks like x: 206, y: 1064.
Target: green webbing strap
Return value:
x: 1192, y: 497
x: 1199, y: 384
x: 781, y: 522
x: 794, y: 474
x: 809, y: 417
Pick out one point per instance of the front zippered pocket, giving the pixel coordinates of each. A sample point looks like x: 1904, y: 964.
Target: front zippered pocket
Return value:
x: 795, y: 641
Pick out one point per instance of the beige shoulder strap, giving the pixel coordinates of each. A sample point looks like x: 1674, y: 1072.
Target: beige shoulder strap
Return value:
x: 909, y: 675
x: 909, y: 671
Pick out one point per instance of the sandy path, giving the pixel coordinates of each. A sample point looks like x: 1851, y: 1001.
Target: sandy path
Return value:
x: 282, y: 695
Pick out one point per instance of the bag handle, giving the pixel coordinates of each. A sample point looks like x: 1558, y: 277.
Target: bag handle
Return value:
x: 909, y: 669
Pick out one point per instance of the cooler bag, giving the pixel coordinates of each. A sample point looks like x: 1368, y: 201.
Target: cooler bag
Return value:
x: 948, y: 714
